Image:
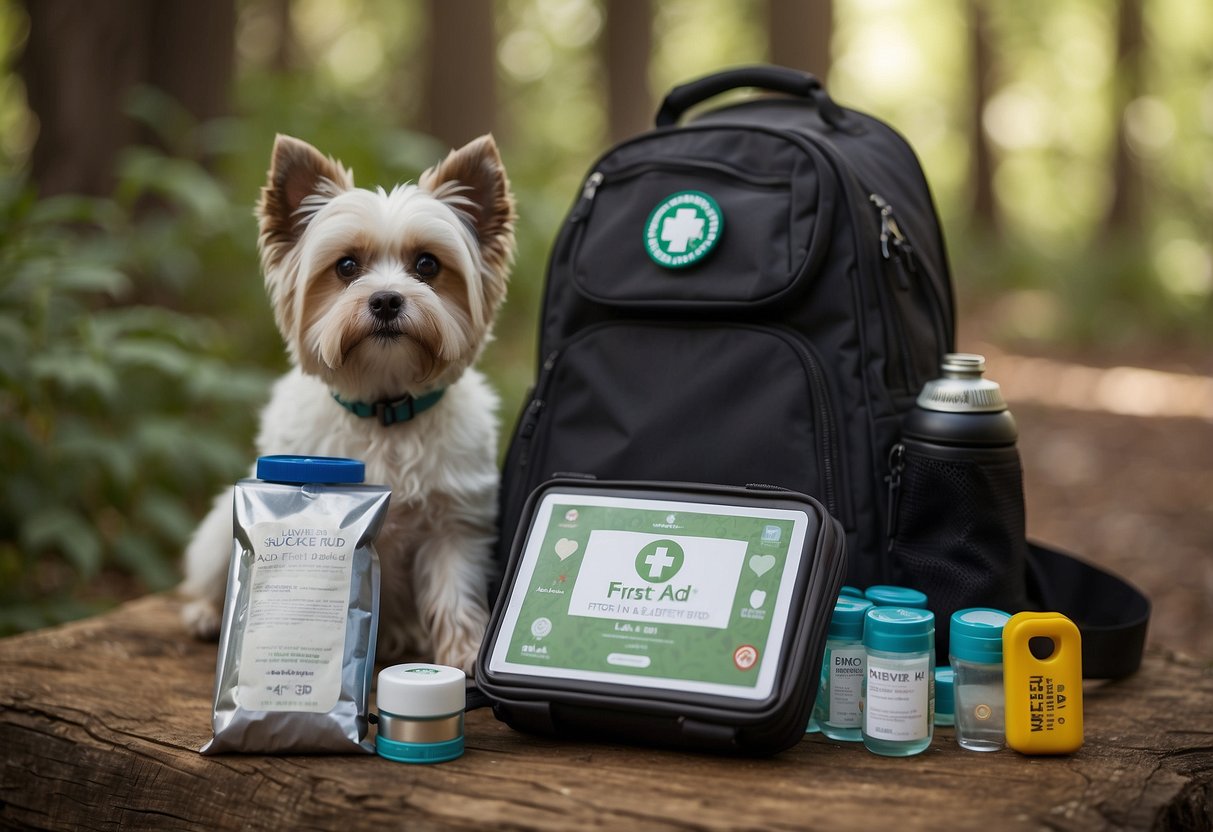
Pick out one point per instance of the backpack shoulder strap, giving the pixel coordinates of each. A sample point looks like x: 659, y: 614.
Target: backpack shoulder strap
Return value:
x: 1111, y: 614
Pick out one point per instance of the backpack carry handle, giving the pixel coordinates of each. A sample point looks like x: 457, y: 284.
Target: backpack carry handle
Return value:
x: 774, y: 78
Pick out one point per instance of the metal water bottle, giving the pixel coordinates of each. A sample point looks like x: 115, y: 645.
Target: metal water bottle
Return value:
x: 961, y: 409
x: 956, y: 513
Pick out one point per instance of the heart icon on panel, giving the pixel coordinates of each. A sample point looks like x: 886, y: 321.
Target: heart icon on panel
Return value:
x: 565, y: 547
x: 762, y: 564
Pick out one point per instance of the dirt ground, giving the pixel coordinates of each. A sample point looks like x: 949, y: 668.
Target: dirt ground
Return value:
x: 1131, y: 493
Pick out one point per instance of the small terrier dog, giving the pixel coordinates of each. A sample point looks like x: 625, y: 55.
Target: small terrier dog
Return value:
x: 385, y: 300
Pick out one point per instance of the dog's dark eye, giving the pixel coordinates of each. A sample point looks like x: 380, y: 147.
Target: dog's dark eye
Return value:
x: 347, y: 268
x: 427, y: 266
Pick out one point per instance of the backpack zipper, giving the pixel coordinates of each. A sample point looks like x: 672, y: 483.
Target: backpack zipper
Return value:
x: 829, y: 434
x: 899, y: 254
x: 893, y: 243
x: 519, y: 455
x: 534, y: 410
x: 588, y: 191
x: 895, y: 247
x: 897, y: 464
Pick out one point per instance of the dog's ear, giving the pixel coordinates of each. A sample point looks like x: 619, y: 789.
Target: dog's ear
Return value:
x: 297, y: 171
x: 472, y: 180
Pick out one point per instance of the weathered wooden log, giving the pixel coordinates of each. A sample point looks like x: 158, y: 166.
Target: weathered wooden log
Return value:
x: 100, y: 722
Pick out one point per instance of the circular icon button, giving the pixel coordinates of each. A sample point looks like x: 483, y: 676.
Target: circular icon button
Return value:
x: 541, y: 627
x: 745, y: 656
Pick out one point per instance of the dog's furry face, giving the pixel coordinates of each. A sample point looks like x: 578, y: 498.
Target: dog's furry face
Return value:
x: 379, y: 293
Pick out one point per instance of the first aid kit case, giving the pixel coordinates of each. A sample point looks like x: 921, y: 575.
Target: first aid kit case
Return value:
x: 679, y: 614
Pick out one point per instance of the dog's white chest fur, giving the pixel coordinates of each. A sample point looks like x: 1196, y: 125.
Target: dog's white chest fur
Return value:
x: 449, y: 449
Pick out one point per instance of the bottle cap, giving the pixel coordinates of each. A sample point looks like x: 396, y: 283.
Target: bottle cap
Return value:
x: 421, y: 691
x: 975, y: 635
x: 847, y: 619
x: 945, y: 700
x: 299, y: 470
x: 895, y: 596
x: 962, y: 389
x: 899, y: 629
x: 852, y: 591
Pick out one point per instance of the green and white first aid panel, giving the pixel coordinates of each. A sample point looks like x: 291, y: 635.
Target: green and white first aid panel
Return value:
x: 671, y: 595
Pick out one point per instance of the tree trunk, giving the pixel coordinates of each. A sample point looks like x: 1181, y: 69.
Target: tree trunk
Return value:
x: 799, y: 33
x: 81, y: 60
x: 191, y: 53
x: 460, y: 90
x: 626, y: 46
x: 1125, y: 210
x: 985, y: 206
x: 283, y: 55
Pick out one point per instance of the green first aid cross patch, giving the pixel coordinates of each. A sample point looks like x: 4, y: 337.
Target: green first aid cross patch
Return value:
x: 683, y: 229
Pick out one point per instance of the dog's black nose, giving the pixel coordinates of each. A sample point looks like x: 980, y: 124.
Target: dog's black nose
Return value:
x: 386, y: 306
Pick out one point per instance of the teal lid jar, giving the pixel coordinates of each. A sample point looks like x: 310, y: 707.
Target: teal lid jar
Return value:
x: 836, y: 711
x: 852, y: 591
x: 899, y: 630
x: 898, y: 690
x: 846, y: 622
x: 975, y: 635
x: 884, y: 595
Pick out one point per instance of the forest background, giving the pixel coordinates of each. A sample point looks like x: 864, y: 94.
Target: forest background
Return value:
x: 1069, y: 145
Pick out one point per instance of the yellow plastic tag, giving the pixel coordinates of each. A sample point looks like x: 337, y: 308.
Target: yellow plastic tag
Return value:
x: 1044, y: 696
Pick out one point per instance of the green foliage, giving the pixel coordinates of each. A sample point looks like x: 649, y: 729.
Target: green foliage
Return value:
x: 119, y: 417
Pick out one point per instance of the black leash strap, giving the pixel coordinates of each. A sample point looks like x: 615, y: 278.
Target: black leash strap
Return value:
x: 1111, y: 613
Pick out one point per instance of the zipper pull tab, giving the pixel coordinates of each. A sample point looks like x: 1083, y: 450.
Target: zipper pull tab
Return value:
x: 897, y: 464
x: 893, y: 242
x: 888, y: 226
x: 588, y: 191
x: 894, y: 245
x: 591, y: 185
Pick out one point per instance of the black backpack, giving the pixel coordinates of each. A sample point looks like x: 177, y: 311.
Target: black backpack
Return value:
x: 757, y: 297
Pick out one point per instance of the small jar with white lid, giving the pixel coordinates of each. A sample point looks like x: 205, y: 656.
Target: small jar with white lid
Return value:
x: 420, y: 713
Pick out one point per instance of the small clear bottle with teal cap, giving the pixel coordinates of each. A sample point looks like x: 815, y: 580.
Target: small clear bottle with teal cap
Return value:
x: 886, y: 595
x: 899, y: 682
x: 837, y: 707
x: 975, y: 647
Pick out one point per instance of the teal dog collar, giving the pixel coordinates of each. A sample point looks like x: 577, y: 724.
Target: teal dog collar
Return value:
x: 391, y: 412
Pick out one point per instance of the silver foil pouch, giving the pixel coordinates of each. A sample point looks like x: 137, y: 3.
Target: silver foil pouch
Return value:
x: 297, y: 645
